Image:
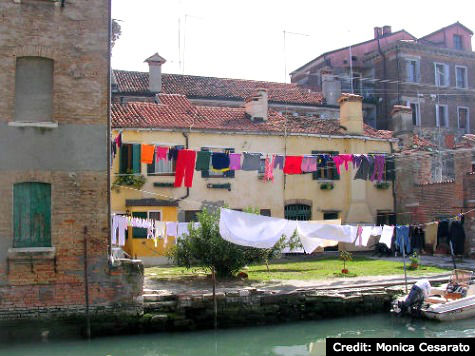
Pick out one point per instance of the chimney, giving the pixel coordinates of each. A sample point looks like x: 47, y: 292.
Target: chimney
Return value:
x: 351, y: 113
x: 257, y: 105
x: 155, y: 72
x: 386, y: 30
x: 331, y: 88
x: 402, y: 126
x: 378, y: 32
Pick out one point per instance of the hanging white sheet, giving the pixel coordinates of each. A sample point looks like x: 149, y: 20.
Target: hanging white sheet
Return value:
x: 366, y: 233
x: 172, y: 229
x: 313, y: 235
x: 253, y: 230
x: 387, y: 235
x: 320, y: 243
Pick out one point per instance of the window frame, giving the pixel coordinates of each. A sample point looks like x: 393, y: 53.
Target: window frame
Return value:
x: 437, y: 115
x: 418, y: 111
x: 456, y: 35
x: 206, y: 173
x: 467, y: 124
x: 131, y: 152
x: 417, y: 72
x: 317, y: 175
x: 173, y: 163
x: 446, y: 75
x: 465, y: 79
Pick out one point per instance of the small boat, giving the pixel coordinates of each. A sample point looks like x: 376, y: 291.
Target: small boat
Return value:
x: 456, y: 300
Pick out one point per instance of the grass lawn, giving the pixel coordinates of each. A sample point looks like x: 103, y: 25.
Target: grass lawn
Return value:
x: 306, y: 269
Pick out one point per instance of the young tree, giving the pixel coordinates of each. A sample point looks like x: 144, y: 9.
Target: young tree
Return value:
x: 204, y: 247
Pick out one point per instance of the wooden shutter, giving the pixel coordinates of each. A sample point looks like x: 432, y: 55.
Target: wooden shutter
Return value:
x: 123, y: 159
x: 136, y: 162
x: 32, y: 215
x: 151, y: 167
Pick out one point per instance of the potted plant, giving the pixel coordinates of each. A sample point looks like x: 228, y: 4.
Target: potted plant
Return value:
x: 415, y: 260
x: 326, y: 186
x: 129, y: 179
x: 382, y: 185
x: 345, y: 256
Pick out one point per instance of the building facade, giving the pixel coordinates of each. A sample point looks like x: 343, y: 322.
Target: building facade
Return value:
x: 54, y: 230
x: 432, y: 74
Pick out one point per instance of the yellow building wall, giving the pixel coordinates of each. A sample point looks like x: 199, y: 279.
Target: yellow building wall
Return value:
x: 355, y: 201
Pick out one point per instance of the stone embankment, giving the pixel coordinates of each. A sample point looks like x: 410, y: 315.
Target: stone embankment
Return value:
x: 251, y: 306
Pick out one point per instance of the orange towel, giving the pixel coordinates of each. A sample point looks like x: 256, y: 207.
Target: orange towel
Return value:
x: 146, y: 153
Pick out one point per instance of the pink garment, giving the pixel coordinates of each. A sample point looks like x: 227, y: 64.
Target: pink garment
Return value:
x: 340, y: 159
x: 379, y: 162
x: 309, y: 164
x: 234, y: 161
x: 269, y: 170
x: 161, y: 153
x: 359, y: 241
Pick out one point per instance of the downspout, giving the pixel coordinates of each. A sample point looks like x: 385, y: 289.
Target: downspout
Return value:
x: 385, y: 107
x: 187, y: 189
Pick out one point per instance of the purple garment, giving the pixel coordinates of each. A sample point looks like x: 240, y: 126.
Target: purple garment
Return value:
x: 234, y: 161
x: 279, y: 162
x: 309, y: 164
x: 378, y: 168
x: 357, y: 161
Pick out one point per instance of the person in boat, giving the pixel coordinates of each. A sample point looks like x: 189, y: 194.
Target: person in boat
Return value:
x: 420, y: 292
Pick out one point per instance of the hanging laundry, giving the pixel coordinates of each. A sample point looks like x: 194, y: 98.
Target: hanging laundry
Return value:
x: 402, y: 239
x: 278, y: 162
x: 443, y: 232
x: 118, y: 140
x: 378, y: 171
x: 146, y: 153
x: 161, y: 153
x: 253, y: 230
x: 172, y: 229
x: 251, y: 161
x: 269, y: 170
x: 182, y: 230
x: 234, y: 161
x: 387, y: 235
x: 322, y: 160
x: 160, y: 229
x: 309, y: 164
x: 457, y: 236
x: 173, y: 153
x: 203, y: 159
x: 377, y: 231
x: 313, y: 235
x: 366, y: 233
x: 185, y: 168
x: 417, y: 238
x: 357, y: 161
x: 293, y: 165
x: 342, y: 159
x: 366, y: 168
x: 220, y: 161
x: 359, y: 241
x: 431, y: 236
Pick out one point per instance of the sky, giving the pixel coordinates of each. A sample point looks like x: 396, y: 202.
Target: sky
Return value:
x: 245, y: 38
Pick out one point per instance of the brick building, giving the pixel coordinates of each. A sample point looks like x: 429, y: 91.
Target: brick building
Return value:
x: 54, y: 163
x: 431, y: 183
x: 432, y: 74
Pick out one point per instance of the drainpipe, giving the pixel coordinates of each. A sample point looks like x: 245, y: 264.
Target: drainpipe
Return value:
x: 187, y: 189
x: 384, y: 84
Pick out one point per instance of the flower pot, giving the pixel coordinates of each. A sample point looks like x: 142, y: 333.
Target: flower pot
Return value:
x: 344, y: 271
x: 414, y: 266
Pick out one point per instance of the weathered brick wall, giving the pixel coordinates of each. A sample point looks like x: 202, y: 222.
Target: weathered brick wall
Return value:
x: 72, y: 157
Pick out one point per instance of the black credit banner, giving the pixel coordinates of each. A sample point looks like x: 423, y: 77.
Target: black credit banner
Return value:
x: 399, y: 346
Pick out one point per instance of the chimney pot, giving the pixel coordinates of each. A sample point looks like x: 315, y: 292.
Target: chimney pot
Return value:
x: 331, y: 87
x: 378, y: 32
x: 386, y: 30
x: 351, y: 113
x: 257, y: 106
x: 155, y: 72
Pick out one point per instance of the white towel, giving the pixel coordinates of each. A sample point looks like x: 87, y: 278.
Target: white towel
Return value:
x: 172, y: 229
x: 387, y: 235
x: 182, y: 230
x: 253, y: 230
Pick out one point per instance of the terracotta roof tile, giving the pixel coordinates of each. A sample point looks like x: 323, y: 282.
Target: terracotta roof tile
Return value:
x: 177, y: 112
x: 215, y: 88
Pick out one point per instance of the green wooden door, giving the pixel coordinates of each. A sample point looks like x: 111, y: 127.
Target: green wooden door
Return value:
x: 32, y: 215
x: 138, y: 232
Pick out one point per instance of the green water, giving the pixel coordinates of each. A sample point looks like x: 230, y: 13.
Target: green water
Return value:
x: 292, y: 339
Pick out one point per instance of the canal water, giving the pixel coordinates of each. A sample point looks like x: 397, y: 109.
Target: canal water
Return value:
x: 292, y: 339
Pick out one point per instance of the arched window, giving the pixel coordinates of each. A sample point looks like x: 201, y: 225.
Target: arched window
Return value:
x: 31, y: 215
x: 298, y: 212
x: 34, y: 89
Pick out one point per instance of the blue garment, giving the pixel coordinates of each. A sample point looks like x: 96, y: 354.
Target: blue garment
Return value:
x: 402, y: 235
x: 220, y: 160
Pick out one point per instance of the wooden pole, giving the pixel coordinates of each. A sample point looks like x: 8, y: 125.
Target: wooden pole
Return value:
x: 215, y: 302
x: 404, y: 259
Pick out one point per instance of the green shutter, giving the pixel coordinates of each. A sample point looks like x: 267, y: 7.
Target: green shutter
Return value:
x: 139, y: 232
x: 32, y: 215
x: 151, y: 167
x: 124, y: 150
x: 136, y: 162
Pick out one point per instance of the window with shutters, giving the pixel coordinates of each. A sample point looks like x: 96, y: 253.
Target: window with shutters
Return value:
x: 441, y: 115
x: 326, y: 170
x: 330, y: 215
x: 384, y: 217
x: 192, y: 215
x: 461, y: 79
x: 34, y: 90
x: 463, y: 118
x: 300, y: 212
x: 129, y: 159
x: 166, y: 167
x: 212, y: 173
x: 441, y: 74
x: 31, y: 215
x: 458, y: 44
x: 412, y: 70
